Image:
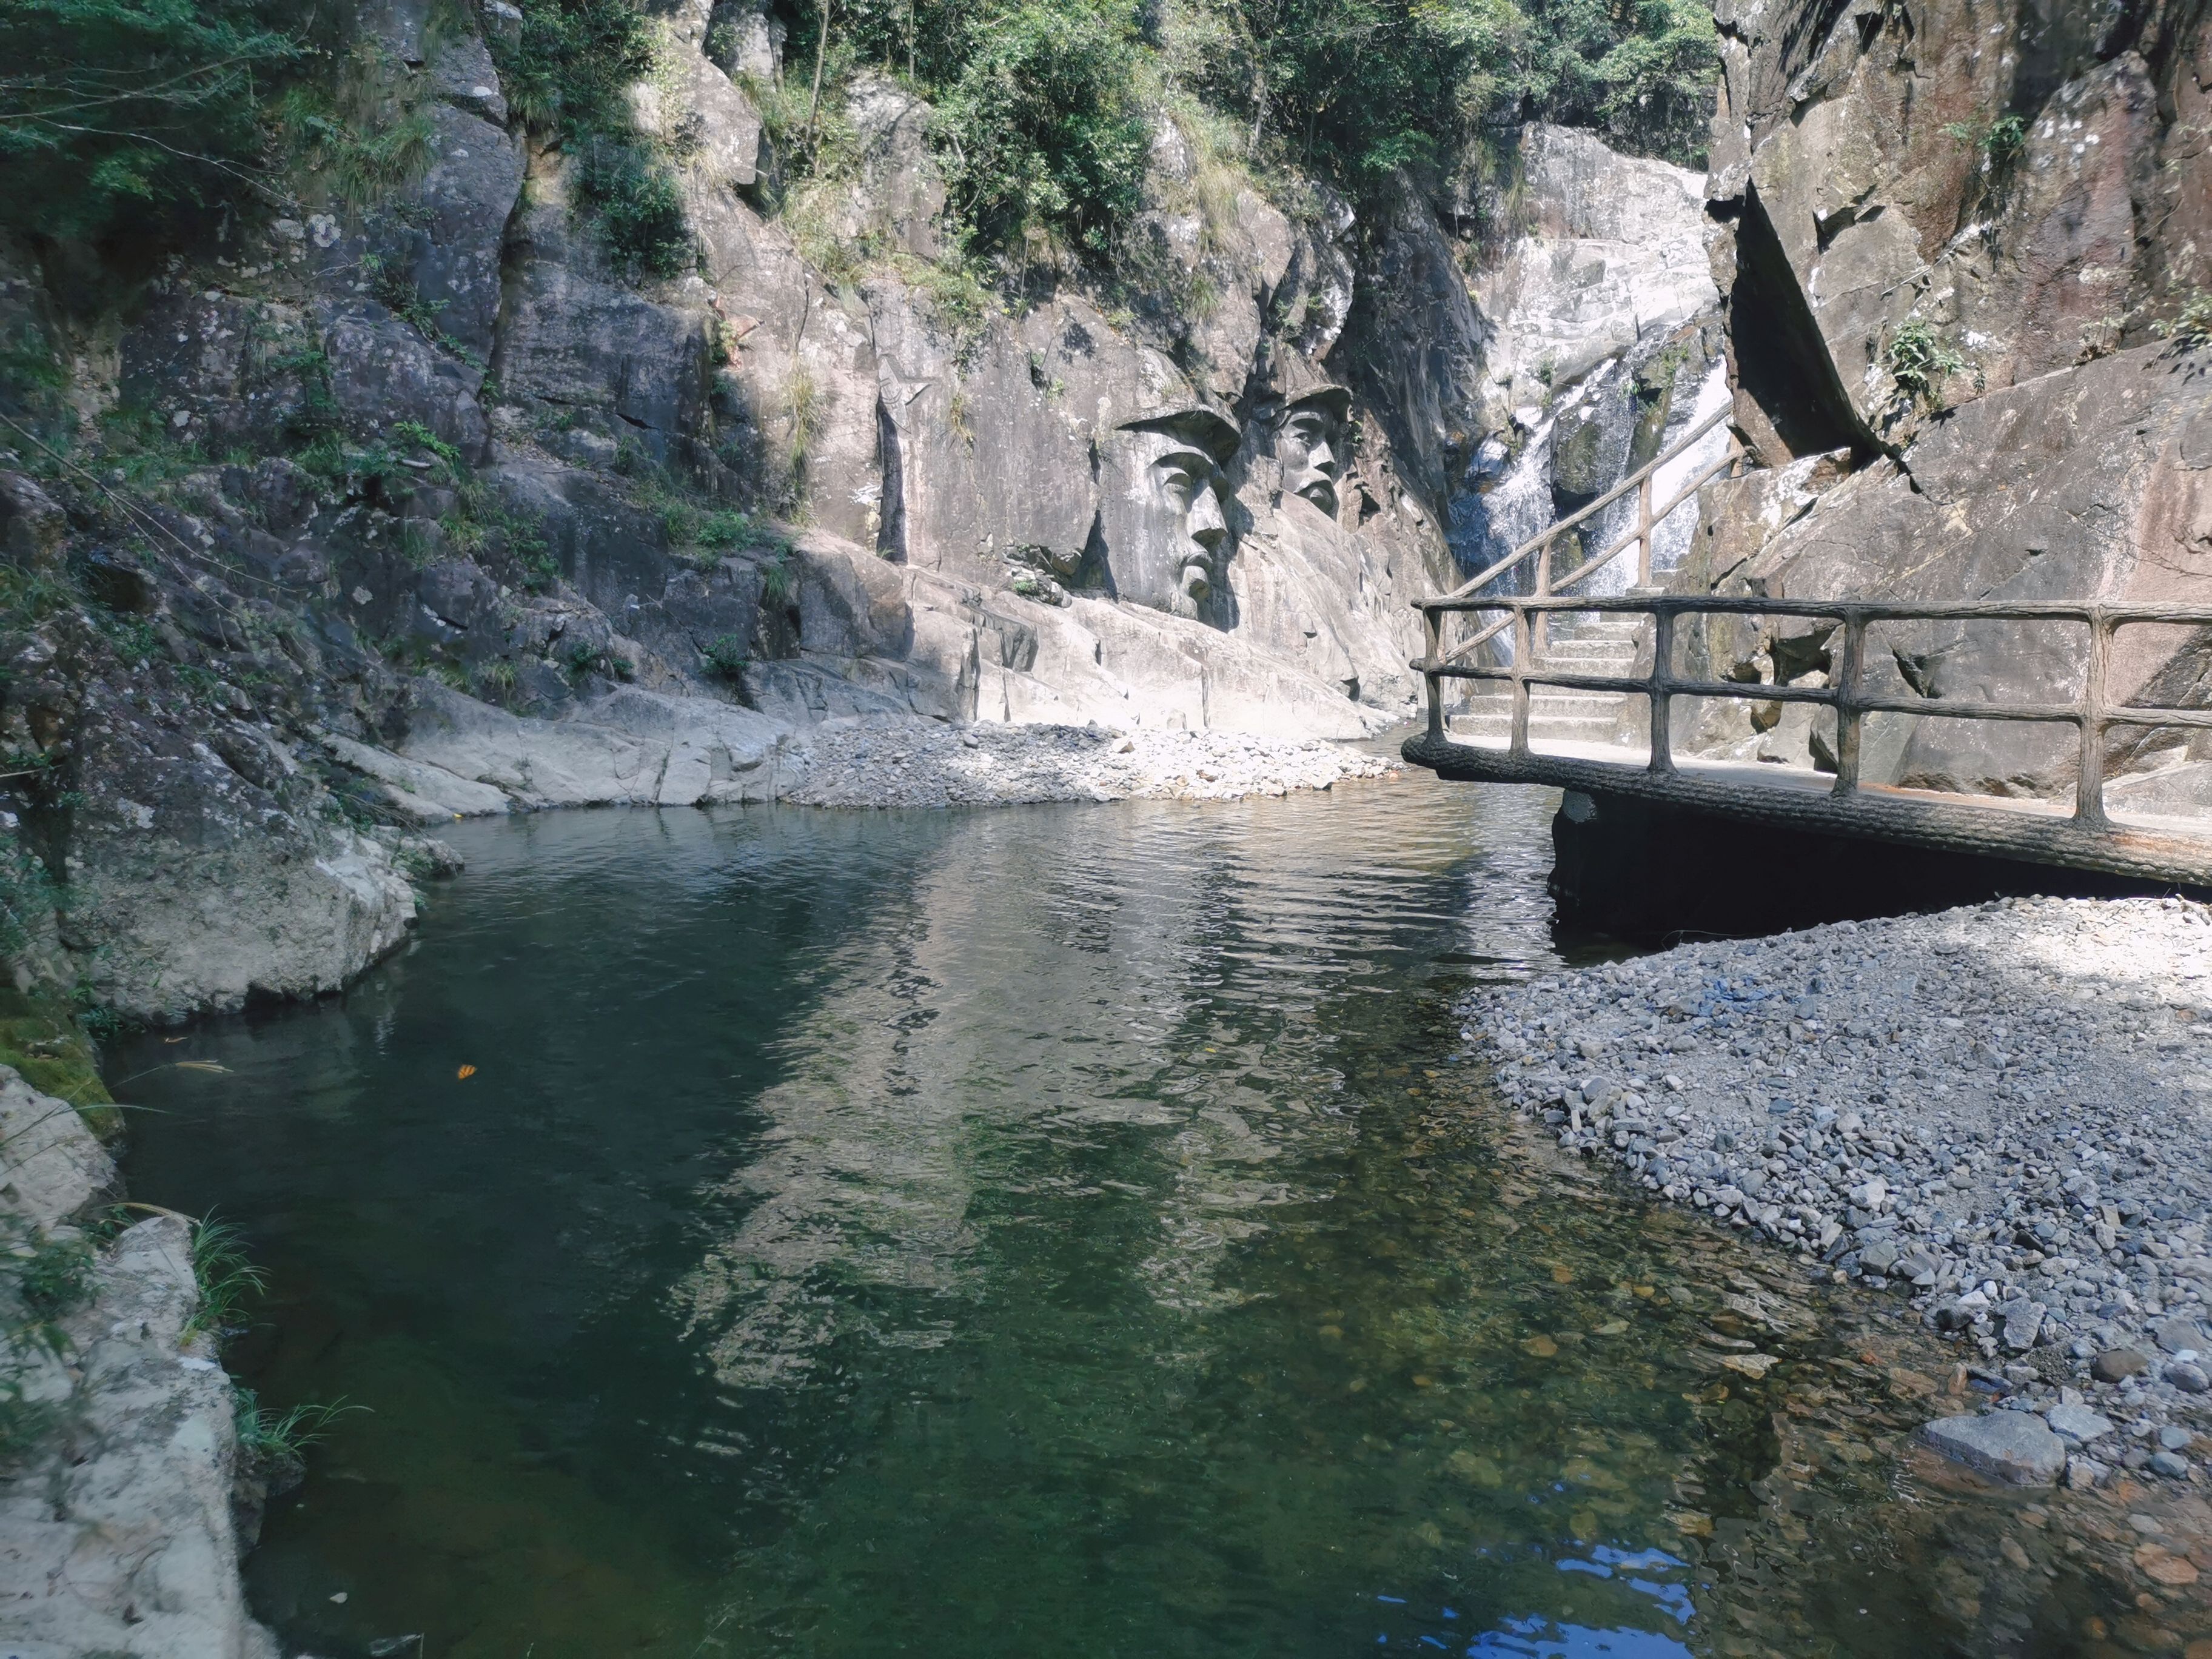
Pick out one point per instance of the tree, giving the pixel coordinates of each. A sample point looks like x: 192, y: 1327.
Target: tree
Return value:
x: 133, y: 118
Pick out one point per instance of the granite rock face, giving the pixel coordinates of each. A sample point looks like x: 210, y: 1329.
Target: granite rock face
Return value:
x: 1947, y: 264
x: 2006, y: 174
x: 116, y: 1532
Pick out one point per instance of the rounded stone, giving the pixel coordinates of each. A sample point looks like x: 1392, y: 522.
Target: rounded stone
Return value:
x: 2189, y: 1377
x: 2115, y: 1364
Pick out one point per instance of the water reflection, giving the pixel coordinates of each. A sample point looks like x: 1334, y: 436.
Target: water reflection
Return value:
x: 999, y: 1234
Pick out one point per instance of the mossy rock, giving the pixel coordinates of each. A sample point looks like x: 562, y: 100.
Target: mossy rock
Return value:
x: 40, y: 1039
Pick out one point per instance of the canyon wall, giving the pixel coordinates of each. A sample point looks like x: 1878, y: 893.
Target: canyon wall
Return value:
x: 1961, y: 251
x: 423, y: 501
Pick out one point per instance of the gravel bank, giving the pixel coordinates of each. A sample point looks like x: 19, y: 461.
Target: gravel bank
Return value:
x: 888, y: 761
x: 2003, y: 1112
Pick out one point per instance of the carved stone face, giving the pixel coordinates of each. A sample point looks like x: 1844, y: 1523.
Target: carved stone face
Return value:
x: 1164, y: 513
x: 1309, y: 443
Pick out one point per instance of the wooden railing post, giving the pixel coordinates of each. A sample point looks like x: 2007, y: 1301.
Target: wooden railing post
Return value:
x: 1643, y: 531
x: 1516, y: 741
x: 2088, y: 838
x: 1541, y: 635
x: 2090, y: 783
x: 1849, y: 715
x: 1433, y: 621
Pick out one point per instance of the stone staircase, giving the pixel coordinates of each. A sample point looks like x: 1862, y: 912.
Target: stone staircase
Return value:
x: 1579, y: 644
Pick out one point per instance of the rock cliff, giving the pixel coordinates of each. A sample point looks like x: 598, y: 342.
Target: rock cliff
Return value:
x: 423, y: 497
x: 1960, y: 251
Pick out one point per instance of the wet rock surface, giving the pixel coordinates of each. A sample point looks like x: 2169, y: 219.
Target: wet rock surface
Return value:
x: 2000, y: 1113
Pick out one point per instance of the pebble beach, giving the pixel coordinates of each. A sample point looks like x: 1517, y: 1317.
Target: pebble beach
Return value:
x: 2002, y: 1113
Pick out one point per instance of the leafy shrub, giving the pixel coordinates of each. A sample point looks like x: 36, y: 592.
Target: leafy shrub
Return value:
x: 1918, y: 359
x: 1359, y: 89
x: 567, y: 73
x: 2002, y: 138
x: 365, y: 132
x: 641, y: 209
x: 1643, y: 70
x: 136, y: 118
x: 727, y: 657
x: 55, y: 1278
x: 1042, y: 128
x: 2191, y: 328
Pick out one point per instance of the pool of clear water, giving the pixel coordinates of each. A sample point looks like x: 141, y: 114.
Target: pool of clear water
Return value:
x: 1035, y: 1230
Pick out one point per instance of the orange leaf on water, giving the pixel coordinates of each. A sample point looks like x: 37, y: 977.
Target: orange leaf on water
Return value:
x: 466, y: 1071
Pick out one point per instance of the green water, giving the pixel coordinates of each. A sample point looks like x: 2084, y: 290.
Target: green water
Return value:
x: 1050, y: 1231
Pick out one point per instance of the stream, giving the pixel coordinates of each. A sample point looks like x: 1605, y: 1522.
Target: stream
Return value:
x: 1059, y: 1230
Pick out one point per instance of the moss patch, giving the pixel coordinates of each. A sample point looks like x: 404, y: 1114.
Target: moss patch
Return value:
x: 39, y: 1038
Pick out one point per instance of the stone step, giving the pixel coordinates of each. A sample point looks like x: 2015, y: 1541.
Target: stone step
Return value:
x: 1554, y: 702
x: 1497, y: 733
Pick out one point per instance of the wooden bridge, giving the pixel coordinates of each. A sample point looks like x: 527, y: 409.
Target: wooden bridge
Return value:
x: 1509, y: 644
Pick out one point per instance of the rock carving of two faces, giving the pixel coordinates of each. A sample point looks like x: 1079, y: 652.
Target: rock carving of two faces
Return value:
x: 1168, y: 514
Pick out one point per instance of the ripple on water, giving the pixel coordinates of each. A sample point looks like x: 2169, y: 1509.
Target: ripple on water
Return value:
x: 1038, y: 1230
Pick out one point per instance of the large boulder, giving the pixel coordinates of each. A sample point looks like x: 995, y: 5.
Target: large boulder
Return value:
x: 1611, y: 252
x: 1998, y: 194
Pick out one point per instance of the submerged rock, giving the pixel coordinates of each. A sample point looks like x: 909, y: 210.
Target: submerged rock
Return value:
x: 2014, y: 1446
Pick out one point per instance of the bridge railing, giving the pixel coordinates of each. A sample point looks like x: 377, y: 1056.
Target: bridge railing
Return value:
x: 1649, y: 518
x: 2092, y: 711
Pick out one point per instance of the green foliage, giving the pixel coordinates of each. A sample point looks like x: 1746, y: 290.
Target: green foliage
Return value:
x: 415, y: 433
x: 55, y: 1278
x: 2192, y: 327
x: 363, y: 132
x: 579, y: 660
x: 28, y: 895
x: 727, y: 657
x: 1359, y: 88
x: 567, y: 73
x: 779, y: 583
x: 136, y: 118
x: 496, y: 680
x: 1919, y: 360
x: 45, y: 1038
x: 396, y: 291
x: 268, y: 1436
x: 227, y: 1280
x: 1042, y: 129
x: 1643, y: 70
x: 641, y: 209
x: 1998, y: 141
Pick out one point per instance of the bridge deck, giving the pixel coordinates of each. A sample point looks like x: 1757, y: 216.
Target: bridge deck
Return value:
x: 2177, y: 850
x: 2079, y: 834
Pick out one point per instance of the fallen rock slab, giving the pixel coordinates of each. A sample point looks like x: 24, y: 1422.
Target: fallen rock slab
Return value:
x: 2014, y: 1446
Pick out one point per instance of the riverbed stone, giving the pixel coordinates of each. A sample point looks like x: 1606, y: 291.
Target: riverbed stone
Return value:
x: 2078, y: 1423
x: 2178, y: 1336
x: 2012, y: 1446
x: 2115, y: 1364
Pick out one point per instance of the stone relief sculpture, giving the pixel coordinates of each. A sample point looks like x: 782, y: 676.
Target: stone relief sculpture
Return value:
x: 1166, y: 510
x: 1310, y: 444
